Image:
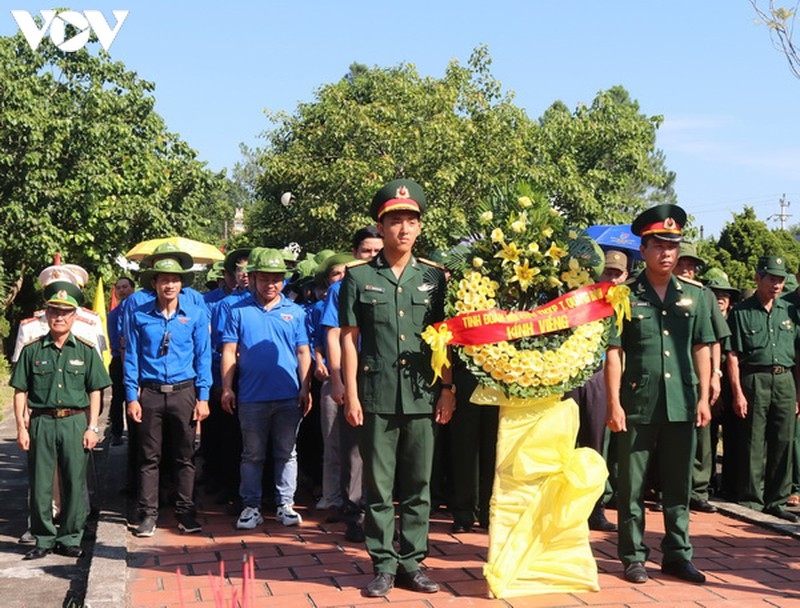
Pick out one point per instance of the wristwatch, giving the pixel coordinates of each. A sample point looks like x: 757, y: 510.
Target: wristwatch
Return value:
x: 94, y: 429
x: 449, y: 387
x: 718, y: 372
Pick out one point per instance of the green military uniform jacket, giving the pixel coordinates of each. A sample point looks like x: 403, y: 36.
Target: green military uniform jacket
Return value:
x: 764, y: 338
x: 657, y: 343
x: 56, y: 378
x: 394, y: 372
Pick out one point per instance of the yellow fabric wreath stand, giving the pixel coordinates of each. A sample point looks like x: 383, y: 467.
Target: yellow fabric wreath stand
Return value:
x: 544, y: 492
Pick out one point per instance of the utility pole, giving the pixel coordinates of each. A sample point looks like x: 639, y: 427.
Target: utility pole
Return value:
x: 782, y: 216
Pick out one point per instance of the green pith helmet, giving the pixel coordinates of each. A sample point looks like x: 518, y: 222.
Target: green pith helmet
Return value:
x: 689, y: 250
x: 165, y: 266
x: 168, y: 250
x: 230, y: 264
x: 263, y: 259
x: 398, y: 195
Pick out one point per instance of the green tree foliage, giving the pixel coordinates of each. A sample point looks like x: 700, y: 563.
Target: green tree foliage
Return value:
x: 462, y: 138
x: 740, y: 244
x: 87, y: 167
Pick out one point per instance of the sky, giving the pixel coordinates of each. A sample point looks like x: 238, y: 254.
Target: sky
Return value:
x: 728, y: 98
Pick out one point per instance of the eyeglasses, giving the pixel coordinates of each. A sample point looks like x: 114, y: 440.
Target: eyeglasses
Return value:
x: 164, y: 348
x: 60, y: 312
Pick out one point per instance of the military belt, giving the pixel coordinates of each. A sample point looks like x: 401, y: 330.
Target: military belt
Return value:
x: 56, y: 412
x: 168, y: 388
x: 768, y: 369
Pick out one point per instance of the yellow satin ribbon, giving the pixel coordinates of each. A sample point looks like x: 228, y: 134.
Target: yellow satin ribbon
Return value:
x: 438, y: 340
x: 617, y: 296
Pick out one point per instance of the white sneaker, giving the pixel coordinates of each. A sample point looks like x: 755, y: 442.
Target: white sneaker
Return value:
x: 249, y: 518
x: 288, y: 516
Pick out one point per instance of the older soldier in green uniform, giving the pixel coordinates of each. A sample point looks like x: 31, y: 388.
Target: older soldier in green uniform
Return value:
x: 58, y: 381
x: 763, y: 375
x: 653, y: 372
x: 384, y: 306
x: 688, y: 263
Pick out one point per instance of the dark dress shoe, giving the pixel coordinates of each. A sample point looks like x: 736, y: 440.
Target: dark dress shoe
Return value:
x: 416, y: 581
x: 457, y: 528
x: 354, y: 532
x: 37, y: 553
x: 635, y: 573
x: 69, y: 551
x: 685, y: 571
x: 782, y: 514
x: 702, y: 505
x: 599, y: 522
x: 379, y: 586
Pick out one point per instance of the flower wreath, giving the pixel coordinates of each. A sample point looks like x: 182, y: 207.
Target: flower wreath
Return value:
x: 530, y: 268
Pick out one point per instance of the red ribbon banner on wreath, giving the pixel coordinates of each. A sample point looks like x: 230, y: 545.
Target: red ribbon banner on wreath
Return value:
x: 583, y: 305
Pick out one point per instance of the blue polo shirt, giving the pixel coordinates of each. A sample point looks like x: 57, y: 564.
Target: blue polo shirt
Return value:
x: 214, y: 296
x: 267, y: 344
x: 330, y: 312
x: 188, y: 351
x: 220, y: 311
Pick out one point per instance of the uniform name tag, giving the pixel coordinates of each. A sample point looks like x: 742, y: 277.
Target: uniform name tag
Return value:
x: 374, y: 288
x: 640, y: 303
x: 38, y: 363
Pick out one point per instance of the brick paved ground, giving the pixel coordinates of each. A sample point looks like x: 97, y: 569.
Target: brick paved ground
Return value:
x: 314, y: 566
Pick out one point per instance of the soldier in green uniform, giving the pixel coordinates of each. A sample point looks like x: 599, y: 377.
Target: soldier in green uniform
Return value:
x: 763, y: 375
x: 57, y: 383
x: 657, y: 380
x: 688, y: 263
x: 384, y: 306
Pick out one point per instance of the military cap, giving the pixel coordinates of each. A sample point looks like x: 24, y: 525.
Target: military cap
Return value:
x: 58, y: 272
x: 689, y: 250
x: 665, y: 222
x: 717, y: 279
x: 616, y: 260
x: 772, y: 264
x: 63, y: 294
x: 398, y: 195
x: 168, y: 250
x: 231, y: 259
x: 165, y: 265
x: 263, y: 259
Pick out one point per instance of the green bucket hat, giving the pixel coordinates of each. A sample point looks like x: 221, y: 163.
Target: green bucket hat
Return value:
x: 689, y: 250
x: 791, y: 283
x: 165, y: 266
x: 772, y: 264
x: 63, y: 294
x: 266, y: 260
x: 337, y: 259
x: 168, y: 250
x: 717, y: 280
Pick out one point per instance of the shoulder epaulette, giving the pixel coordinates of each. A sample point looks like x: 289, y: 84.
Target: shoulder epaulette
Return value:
x: 431, y: 263
x: 631, y: 280
x: 33, y: 339
x: 691, y: 282
x: 355, y: 263
x: 86, y: 341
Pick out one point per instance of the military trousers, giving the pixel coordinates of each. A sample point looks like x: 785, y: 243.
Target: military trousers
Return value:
x: 57, y: 443
x: 401, y: 443
x: 768, y: 433
x: 674, y: 443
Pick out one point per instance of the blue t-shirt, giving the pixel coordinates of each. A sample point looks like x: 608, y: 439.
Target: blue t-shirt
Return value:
x: 219, y: 316
x: 267, y: 343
